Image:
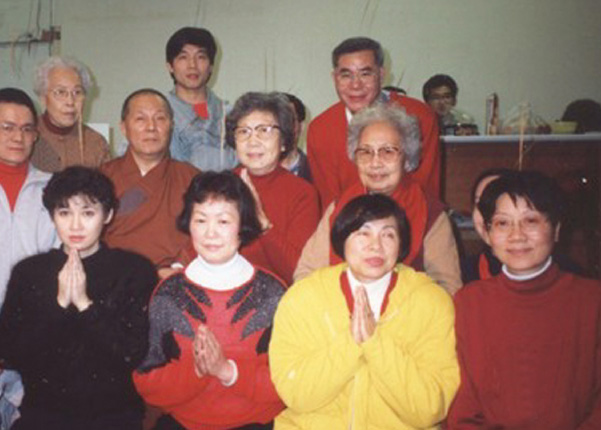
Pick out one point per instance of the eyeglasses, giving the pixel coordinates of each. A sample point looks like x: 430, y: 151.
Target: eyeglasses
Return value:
x: 63, y: 93
x: 9, y: 128
x: 364, y: 76
x: 384, y: 153
x: 262, y: 131
x: 528, y: 225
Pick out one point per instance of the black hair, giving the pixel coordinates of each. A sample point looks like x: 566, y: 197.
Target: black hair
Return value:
x: 226, y: 186
x: 79, y: 181
x: 365, y: 208
x: 437, y: 81
x: 190, y: 36
x: 495, y: 171
x: 586, y: 112
x: 274, y: 103
x: 299, y: 106
x: 18, y: 97
x: 142, y: 91
x: 394, y: 89
x: 540, y: 192
x: 356, y: 44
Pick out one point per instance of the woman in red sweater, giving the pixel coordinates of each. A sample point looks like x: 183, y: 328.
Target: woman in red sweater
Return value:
x: 528, y: 339
x: 210, y: 324
x: 261, y: 129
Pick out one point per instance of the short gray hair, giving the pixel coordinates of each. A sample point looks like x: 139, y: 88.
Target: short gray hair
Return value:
x: 40, y: 79
x: 406, y: 125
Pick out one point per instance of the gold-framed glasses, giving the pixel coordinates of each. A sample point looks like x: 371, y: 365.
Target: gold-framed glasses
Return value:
x: 364, y: 76
x: 528, y: 224
x: 384, y: 153
x: 29, y: 130
x: 262, y: 131
x: 60, y: 93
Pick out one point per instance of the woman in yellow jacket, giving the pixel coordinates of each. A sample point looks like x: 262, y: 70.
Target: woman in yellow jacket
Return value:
x: 367, y: 344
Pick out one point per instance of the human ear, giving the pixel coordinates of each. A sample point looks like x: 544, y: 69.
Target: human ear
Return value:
x: 557, y: 228
x: 109, y: 217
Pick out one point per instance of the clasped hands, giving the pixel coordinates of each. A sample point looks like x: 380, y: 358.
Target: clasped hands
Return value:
x: 209, y: 358
x: 363, y: 322
x: 72, y: 284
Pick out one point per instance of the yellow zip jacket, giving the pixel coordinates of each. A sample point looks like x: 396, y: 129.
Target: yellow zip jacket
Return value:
x: 404, y: 377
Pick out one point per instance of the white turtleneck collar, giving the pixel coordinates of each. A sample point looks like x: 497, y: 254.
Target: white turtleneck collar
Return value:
x: 527, y: 277
x: 376, y: 290
x: 220, y: 277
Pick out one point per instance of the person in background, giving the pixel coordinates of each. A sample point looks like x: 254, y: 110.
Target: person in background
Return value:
x: 75, y: 323
x: 62, y: 85
x: 586, y: 112
x: 261, y: 128
x: 296, y: 161
x: 440, y: 93
x: 210, y: 325
x: 199, y: 115
x: 385, y: 145
x: 148, y: 182
x: 528, y: 339
x: 369, y: 343
x: 358, y: 76
x: 25, y: 227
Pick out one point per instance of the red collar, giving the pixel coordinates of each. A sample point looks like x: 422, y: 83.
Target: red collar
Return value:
x: 348, y: 294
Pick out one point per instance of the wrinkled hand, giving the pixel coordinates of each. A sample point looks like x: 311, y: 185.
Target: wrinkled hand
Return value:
x: 261, y: 215
x: 72, y: 284
x: 208, y: 356
x: 363, y: 322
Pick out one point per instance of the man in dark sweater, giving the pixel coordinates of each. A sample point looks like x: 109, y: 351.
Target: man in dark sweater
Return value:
x: 74, y: 323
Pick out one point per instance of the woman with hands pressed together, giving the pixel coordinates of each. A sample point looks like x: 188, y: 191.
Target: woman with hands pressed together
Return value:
x: 74, y: 323
x: 369, y: 343
x: 210, y: 324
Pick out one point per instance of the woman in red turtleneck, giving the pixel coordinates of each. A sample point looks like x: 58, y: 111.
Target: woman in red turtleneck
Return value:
x: 261, y: 129
x: 528, y: 339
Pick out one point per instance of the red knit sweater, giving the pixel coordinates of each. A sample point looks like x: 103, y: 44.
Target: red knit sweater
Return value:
x: 333, y: 171
x: 292, y: 206
x: 12, y: 179
x: 530, y: 354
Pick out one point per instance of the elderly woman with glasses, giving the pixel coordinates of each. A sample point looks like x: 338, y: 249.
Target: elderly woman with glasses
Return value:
x: 62, y: 85
x: 384, y: 142
x: 528, y: 339
x: 367, y: 344
x: 261, y: 129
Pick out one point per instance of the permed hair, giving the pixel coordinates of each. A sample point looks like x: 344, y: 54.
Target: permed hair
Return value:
x: 356, y: 44
x: 365, y: 208
x: 439, y: 81
x: 142, y: 91
x: 539, y: 191
x: 222, y: 186
x: 274, y: 103
x: 42, y: 71
x: 18, y: 97
x: 406, y: 125
x: 190, y: 36
x: 79, y: 181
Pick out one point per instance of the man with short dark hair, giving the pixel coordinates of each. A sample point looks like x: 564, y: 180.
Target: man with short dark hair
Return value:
x: 25, y: 226
x: 148, y: 183
x: 358, y: 75
x: 199, y: 115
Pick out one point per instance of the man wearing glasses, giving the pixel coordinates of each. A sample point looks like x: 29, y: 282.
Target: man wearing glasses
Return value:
x: 61, y: 85
x: 358, y: 75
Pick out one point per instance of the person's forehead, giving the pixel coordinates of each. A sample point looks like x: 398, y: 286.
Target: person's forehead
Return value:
x: 15, y: 112
x: 443, y: 89
x: 193, y: 49
x: 147, y: 102
x: 358, y: 59
x: 59, y: 75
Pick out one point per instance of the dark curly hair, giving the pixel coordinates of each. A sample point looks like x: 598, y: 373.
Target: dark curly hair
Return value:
x: 227, y: 186
x: 79, y: 181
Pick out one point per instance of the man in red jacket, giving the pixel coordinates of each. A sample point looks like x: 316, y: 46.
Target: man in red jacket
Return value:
x: 358, y: 75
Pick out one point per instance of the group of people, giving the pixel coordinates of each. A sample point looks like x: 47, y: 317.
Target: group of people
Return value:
x: 218, y: 274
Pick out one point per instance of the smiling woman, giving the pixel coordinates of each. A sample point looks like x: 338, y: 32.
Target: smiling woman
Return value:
x: 353, y: 345
x: 210, y: 325
x: 74, y: 323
